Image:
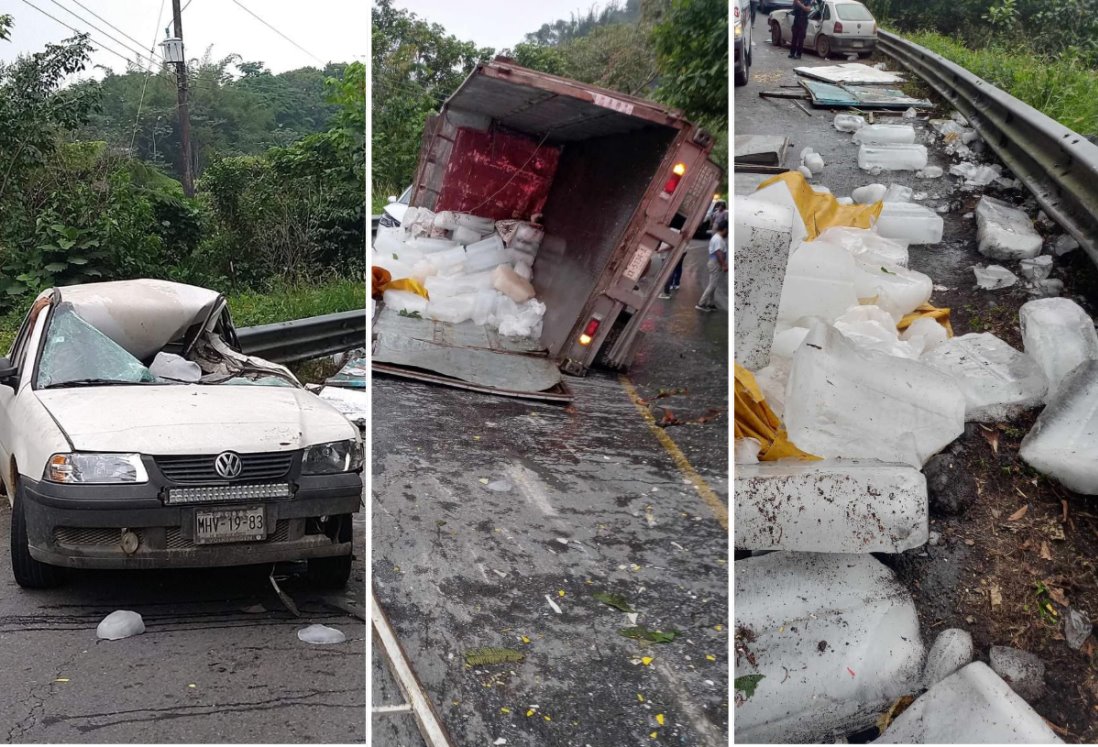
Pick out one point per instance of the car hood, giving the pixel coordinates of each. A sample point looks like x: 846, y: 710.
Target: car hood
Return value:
x: 197, y: 419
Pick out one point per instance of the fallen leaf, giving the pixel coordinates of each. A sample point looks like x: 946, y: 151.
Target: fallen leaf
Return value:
x: 640, y: 697
x: 641, y: 633
x: 489, y: 655
x: 996, y: 595
x: 483, y: 481
x: 659, y: 719
x: 525, y: 639
x: 996, y: 513
x: 747, y: 684
x: 66, y: 679
x: 646, y: 660
x: 529, y: 713
x: 898, y: 706
x: 710, y: 657
x: 617, y: 601
x: 1019, y: 513
x: 1057, y: 594
x: 504, y: 709
x: 1046, y: 553
x: 992, y: 438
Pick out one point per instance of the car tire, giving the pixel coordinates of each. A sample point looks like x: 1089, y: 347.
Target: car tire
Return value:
x: 776, y: 34
x: 823, y: 47
x: 743, y: 71
x: 29, y: 573
x: 333, y: 572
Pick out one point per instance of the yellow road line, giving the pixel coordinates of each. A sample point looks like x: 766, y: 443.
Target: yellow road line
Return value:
x: 716, y: 505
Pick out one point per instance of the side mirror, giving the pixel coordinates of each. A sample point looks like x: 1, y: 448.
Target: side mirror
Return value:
x: 8, y: 372
x: 391, y: 199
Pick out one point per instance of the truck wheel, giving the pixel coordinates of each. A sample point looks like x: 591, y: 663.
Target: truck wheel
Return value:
x: 333, y: 572
x: 29, y: 573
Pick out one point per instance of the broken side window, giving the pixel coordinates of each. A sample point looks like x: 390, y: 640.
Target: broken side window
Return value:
x: 75, y: 353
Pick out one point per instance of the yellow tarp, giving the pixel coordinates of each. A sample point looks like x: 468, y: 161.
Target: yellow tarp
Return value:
x: 382, y: 280
x: 754, y: 419
x: 933, y: 312
x: 821, y: 211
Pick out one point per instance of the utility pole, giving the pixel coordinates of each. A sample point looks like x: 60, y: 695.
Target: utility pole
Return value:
x: 184, y: 114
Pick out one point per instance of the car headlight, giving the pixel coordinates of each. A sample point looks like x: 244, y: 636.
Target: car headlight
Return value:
x: 95, y: 469
x: 332, y: 457
x: 387, y: 221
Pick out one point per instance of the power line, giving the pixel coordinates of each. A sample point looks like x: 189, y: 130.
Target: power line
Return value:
x: 104, y: 20
x: 148, y: 72
x: 140, y: 54
x: 272, y: 28
x: 78, y: 31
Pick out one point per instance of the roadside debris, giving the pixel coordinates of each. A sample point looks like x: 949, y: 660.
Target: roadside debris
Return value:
x: 878, y: 158
x: 994, y: 277
x: 1063, y: 443
x: 286, y: 599
x: 1004, y: 232
x: 885, y: 134
x: 1077, y: 627
x: 848, y: 122
x: 617, y: 601
x: 120, y: 624
x: 477, y: 657
x: 1037, y: 268
x: 321, y: 635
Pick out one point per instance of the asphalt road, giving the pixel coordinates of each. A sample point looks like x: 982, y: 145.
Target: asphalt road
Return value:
x: 204, y: 671
x: 495, y: 522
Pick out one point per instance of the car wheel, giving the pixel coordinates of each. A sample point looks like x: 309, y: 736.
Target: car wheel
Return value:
x: 29, y: 573
x: 775, y: 34
x: 823, y: 46
x: 743, y: 71
x: 333, y: 572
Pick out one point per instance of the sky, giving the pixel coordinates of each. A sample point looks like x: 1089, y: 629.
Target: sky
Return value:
x: 492, y: 23
x: 333, y: 30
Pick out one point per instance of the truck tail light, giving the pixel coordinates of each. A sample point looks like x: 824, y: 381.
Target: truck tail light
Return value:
x: 838, y: 27
x: 676, y: 176
x: 589, y: 332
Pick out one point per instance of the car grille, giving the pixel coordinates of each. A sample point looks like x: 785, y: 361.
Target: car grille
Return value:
x: 199, y: 470
x: 87, y: 535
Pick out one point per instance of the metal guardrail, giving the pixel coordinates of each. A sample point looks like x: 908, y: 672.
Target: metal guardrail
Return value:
x: 301, y: 339
x: 1058, y: 165
x: 373, y: 225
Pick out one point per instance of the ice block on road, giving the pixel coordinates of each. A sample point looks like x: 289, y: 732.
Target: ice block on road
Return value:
x: 1005, y: 232
x: 892, y: 157
x: 1059, y: 335
x: 761, y: 255
x: 1063, y: 443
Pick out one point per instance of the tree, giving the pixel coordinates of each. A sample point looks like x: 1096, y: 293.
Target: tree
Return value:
x: 691, y: 43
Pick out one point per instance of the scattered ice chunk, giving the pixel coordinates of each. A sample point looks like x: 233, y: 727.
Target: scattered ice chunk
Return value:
x: 999, y: 382
x: 892, y: 157
x: 747, y: 451
x: 842, y: 627
x: 909, y: 222
x: 761, y: 242
x: 321, y: 635
x: 772, y: 381
x: 867, y: 244
x: 843, y: 506
x: 120, y: 624
x: 1077, y: 627
x: 848, y: 122
x: 175, y: 367
x: 523, y: 270
x: 1063, y: 443
x: 898, y: 193
x: 466, y: 236
x: 910, y: 113
x: 845, y: 200
x: 406, y: 301
x: 842, y: 401
x: 1064, y: 244
x: 869, y: 194
x: 1036, y: 268
x: 976, y: 175
x: 885, y: 134
x: 812, y: 160
x: 1059, y: 335
x: 1047, y: 288
x: 512, y: 285
x: 895, y: 289
x: 787, y: 341
x: 452, y: 309
x: 972, y: 705
x: 499, y: 486
x: 873, y: 328
x: 930, y: 172
x: 959, y: 119
x: 520, y: 320
x: 818, y: 282
x: 925, y: 332
x: 994, y: 277
x: 952, y: 650
x: 805, y: 171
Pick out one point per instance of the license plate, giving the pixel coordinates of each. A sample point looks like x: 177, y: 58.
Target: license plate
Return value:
x: 859, y: 44
x: 230, y: 525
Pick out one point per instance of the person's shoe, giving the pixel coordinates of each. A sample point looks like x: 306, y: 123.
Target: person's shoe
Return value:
x: 674, y: 287
x: 699, y: 307
x: 664, y: 295
x: 792, y: 56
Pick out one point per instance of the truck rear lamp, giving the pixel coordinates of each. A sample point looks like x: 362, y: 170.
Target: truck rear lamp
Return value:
x: 838, y: 27
x: 676, y: 176
x: 589, y: 331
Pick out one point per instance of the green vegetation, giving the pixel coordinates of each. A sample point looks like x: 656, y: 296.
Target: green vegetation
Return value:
x: 284, y: 301
x: 1062, y: 87
x: 88, y: 189
x: 673, y: 51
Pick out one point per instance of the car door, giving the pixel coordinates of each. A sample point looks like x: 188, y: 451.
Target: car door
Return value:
x: 10, y: 390
x: 815, y: 21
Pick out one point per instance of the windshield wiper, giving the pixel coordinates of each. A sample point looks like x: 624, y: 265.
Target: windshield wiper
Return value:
x: 94, y: 382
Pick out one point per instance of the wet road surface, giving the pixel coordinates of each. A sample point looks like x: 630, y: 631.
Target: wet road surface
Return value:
x: 496, y: 521
x: 204, y: 671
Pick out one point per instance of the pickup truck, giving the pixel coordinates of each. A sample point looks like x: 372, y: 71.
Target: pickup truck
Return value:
x: 613, y: 178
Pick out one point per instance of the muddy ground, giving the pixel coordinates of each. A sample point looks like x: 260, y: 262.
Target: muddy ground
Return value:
x: 1025, y: 546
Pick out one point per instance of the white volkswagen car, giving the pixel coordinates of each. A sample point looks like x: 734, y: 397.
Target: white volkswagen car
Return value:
x: 833, y: 26
x: 135, y: 434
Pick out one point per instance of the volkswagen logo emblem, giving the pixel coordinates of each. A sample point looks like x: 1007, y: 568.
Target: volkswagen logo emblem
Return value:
x: 228, y: 465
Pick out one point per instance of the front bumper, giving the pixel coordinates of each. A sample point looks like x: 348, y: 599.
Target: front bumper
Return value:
x: 81, y: 526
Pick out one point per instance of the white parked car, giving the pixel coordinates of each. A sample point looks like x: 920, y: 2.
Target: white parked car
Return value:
x: 135, y: 434
x: 834, y: 26
x: 393, y: 213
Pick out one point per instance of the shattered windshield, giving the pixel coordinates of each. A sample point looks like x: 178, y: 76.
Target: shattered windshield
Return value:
x: 76, y: 353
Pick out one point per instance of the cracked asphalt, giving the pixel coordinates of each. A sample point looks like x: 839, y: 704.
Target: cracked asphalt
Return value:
x: 583, y: 499
x: 204, y: 670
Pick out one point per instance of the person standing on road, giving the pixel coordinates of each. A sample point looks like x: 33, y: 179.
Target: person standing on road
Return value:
x: 718, y: 264
x: 801, y: 9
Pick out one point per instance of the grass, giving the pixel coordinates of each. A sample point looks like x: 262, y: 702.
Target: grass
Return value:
x: 1061, y: 87
x: 281, y: 303
x: 379, y: 197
